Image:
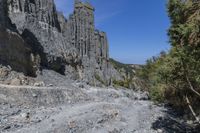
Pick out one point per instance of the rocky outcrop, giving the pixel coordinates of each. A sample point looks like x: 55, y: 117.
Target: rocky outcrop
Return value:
x: 40, y: 37
x: 14, y: 50
x: 91, y: 44
x: 37, y: 22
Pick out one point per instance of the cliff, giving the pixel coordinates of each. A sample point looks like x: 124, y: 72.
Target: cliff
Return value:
x: 34, y: 36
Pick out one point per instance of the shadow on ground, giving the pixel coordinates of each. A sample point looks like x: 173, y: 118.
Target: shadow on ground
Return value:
x: 172, y: 123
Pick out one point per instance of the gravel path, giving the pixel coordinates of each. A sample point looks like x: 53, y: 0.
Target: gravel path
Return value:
x: 98, y: 117
x: 104, y: 111
x: 67, y: 107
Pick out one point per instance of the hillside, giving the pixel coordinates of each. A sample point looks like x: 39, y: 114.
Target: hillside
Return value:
x: 124, y: 75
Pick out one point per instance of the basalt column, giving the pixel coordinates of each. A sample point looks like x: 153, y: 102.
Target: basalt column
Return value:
x: 102, y: 56
x: 81, y: 31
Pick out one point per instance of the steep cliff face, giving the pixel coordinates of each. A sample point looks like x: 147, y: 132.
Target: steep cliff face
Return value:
x: 102, y: 56
x: 14, y: 51
x: 37, y: 22
x: 91, y: 44
x: 45, y: 39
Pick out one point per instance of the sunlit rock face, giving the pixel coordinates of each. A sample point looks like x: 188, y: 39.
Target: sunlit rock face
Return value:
x: 37, y: 22
x: 46, y: 39
x: 91, y: 44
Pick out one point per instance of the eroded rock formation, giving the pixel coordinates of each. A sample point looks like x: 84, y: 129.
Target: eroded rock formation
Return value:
x: 91, y: 44
x: 35, y: 36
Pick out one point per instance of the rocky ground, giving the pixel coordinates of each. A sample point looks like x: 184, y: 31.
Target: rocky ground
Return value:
x: 59, y: 106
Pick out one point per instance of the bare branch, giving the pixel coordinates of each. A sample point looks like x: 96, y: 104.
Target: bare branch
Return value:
x: 191, y: 87
x: 192, y: 110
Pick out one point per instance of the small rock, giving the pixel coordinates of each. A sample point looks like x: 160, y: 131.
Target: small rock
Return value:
x: 159, y: 131
x: 115, y: 131
x: 16, y: 112
x: 100, y: 121
x: 123, y: 119
x: 81, y: 86
x: 190, y: 122
x: 3, y: 72
x: 50, y: 85
x: 38, y: 121
x: 39, y: 84
x: 144, y: 96
x: 72, y: 124
x: 15, y: 81
x: 34, y: 95
x: 18, y: 126
x: 7, y: 128
x: 25, y: 115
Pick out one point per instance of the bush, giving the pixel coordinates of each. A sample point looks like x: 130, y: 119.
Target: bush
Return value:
x: 157, y: 93
x: 171, y: 76
x: 124, y: 83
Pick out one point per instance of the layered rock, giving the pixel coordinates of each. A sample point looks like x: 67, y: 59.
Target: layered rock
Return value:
x: 45, y: 39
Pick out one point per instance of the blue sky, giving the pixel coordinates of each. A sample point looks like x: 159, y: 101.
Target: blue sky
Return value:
x: 136, y: 29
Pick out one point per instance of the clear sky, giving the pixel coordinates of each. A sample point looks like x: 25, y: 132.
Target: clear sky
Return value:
x: 136, y: 29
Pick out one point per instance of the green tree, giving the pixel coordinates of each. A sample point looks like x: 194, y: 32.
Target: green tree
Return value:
x: 175, y: 77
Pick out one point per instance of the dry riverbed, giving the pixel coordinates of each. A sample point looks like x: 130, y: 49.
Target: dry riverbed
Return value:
x: 78, y: 109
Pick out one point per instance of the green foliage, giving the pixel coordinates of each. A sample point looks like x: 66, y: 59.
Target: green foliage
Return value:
x: 156, y: 74
x: 97, y: 77
x: 184, y: 36
x: 167, y: 74
x: 121, y: 83
x: 157, y: 93
x: 185, y: 19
